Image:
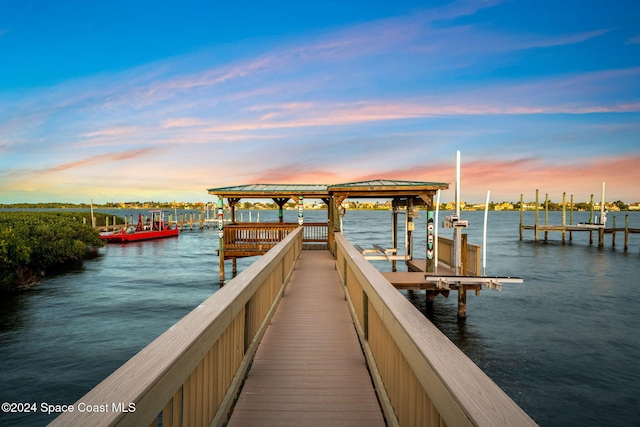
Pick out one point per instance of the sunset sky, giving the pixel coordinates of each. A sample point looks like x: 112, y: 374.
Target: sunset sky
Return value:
x: 157, y: 100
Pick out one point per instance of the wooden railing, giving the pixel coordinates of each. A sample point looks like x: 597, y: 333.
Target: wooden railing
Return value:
x: 422, y: 378
x: 191, y: 374
x: 470, y: 256
x: 256, y: 238
x: 316, y: 232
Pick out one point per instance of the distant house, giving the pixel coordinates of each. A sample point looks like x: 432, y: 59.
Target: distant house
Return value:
x: 505, y: 206
x: 634, y: 206
x: 451, y: 206
x: 529, y: 206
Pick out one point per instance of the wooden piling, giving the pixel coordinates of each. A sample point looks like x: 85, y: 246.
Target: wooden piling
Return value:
x: 521, y: 212
x: 571, y: 219
x: 409, y: 229
x: 546, y: 214
x: 591, y: 220
x: 626, y: 232
x: 601, y: 237
x: 613, y: 234
x: 462, y: 291
x: 564, y: 215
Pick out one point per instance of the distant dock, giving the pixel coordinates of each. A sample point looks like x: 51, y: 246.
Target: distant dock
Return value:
x: 596, y: 224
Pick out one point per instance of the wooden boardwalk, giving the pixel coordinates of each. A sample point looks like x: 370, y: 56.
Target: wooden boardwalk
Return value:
x: 309, y: 369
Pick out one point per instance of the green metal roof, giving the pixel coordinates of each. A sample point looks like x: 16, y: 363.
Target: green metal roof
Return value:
x: 370, y: 188
x: 389, y: 183
x: 271, y: 190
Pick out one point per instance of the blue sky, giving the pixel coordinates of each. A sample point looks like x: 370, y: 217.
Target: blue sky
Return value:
x: 119, y: 101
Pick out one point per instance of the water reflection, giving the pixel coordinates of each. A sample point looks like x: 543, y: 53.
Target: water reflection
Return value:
x: 12, y: 307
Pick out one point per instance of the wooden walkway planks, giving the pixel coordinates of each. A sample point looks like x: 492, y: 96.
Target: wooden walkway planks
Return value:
x: 309, y: 369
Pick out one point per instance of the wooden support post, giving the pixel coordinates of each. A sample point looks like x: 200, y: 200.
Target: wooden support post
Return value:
x: 280, y: 201
x: 410, y: 227
x: 462, y: 302
x: 591, y: 220
x: 546, y: 214
x: 564, y: 215
x: 613, y: 234
x: 571, y: 219
x: 626, y: 232
x: 601, y: 237
x: 463, y: 253
x: 521, y: 212
x: 462, y: 291
x: 232, y: 205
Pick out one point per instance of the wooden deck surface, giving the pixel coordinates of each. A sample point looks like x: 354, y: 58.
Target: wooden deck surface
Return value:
x: 309, y: 369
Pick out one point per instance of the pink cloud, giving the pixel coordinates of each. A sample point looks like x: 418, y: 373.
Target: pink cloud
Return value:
x: 334, y: 114
x: 100, y: 159
x: 506, y: 179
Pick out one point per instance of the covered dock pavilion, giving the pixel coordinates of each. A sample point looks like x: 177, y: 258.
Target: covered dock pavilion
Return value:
x: 250, y: 239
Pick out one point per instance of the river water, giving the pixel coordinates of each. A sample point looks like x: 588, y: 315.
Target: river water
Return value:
x: 564, y: 344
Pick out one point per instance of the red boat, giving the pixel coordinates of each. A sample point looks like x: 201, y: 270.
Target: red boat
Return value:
x: 154, y: 228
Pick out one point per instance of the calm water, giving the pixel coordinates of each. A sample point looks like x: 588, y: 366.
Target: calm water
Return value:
x: 564, y: 345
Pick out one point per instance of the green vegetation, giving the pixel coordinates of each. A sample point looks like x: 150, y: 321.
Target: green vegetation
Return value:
x: 33, y: 242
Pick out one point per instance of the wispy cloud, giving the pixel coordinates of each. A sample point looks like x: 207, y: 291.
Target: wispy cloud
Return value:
x: 460, y: 8
x: 103, y: 159
x: 112, y: 131
x: 634, y: 40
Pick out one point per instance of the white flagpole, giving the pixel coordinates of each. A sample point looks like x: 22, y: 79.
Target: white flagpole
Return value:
x: 484, y: 236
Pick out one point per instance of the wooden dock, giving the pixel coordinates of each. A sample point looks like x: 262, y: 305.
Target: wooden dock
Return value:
x: 309, y: 369
x: 301, y: 338
x: 591, y: 227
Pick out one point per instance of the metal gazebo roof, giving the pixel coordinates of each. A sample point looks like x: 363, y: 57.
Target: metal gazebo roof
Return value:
x: 369, y: 188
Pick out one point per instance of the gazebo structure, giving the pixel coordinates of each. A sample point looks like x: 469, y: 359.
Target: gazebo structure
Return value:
x: 249, y: 239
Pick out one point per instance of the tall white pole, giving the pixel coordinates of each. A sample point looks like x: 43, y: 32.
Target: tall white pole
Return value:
x: 435, y: 234
x: 484, y: 236
x: 93, y: 220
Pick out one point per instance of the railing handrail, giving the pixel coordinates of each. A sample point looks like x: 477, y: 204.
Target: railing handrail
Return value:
x: 150, y: 379
x: 265, y: 234
x: 461, y: 393
x: 270, y: 224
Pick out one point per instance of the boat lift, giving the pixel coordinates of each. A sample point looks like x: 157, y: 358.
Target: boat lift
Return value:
x: 452, y: 277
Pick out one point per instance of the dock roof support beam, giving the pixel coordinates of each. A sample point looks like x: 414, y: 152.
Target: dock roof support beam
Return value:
x: 280, y: 201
